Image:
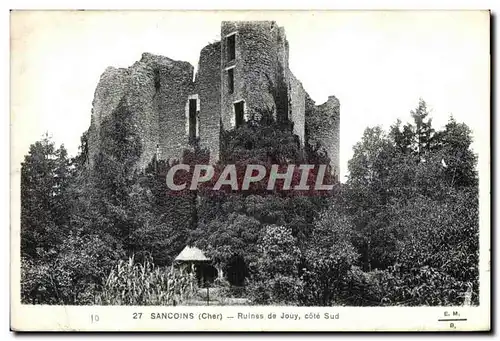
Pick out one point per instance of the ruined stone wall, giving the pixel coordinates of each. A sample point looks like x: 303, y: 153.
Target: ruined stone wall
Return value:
x: 323, y: 129
x: 141, y: 102
x: 282, y: 96
x: 297, y: 106
x: 255, y: 68
x: 176, y: 84
x: 111, y: 88
x: 155, y: 90
x: 208, y: 87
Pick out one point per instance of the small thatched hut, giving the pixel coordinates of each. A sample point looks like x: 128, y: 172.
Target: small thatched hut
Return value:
x: 192, y: 259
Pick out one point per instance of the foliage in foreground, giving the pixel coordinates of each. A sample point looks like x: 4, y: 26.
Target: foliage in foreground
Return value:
x: 413, y: 200
x: 276, y: 278
x: 132, y: 283
x: 403, y: 229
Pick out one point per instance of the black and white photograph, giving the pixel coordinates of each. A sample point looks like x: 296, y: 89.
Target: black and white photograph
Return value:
x: 231, y: 160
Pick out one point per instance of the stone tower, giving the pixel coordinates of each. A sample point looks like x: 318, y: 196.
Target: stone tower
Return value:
x: 240, y: 77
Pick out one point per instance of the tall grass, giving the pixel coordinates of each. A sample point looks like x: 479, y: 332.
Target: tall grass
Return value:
x: 131, y: 283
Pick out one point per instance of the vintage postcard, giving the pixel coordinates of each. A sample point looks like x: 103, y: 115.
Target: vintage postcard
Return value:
x: 250, y: 170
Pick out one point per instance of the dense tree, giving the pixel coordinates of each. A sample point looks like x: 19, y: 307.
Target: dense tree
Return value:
x: 163, y: 218
x: 416, y: 137
x: 368, y: 191
x: 133, y: 209
x: 276, y: 277
x: 412, y: 196
x: 458, y: 158
x: 328, y: 258
x: 423, y: 131
x: 44, y: 182
x: 105, y: 190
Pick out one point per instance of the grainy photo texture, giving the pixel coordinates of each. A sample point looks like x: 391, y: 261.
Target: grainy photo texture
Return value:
x: 225, y: 181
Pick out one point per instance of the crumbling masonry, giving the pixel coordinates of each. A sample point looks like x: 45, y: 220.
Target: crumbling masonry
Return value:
x: 243, y: 75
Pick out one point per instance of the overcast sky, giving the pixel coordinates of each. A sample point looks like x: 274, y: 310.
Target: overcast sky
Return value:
x: 378, y: 64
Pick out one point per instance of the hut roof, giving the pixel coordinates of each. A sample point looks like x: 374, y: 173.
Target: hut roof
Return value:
x: 191, y: 254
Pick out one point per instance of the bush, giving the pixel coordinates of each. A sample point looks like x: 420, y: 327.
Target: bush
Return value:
x: 223, y: 287
x: 420, y: 286
x: 37, y: 283
x: 276, y: 278
x: 69, y: 275
x: 328, y: 258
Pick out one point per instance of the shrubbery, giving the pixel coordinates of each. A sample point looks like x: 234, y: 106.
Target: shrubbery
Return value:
x: 276, y: 277
x: 403, y: 229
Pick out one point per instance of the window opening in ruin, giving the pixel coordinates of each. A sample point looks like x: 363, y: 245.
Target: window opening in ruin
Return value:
x: 192, y: 119
x: 231, y: 47
x: 239, y: 112
x: 230, y: 80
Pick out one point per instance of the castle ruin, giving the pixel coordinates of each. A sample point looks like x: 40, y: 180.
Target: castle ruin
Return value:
x: 243, y: 75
